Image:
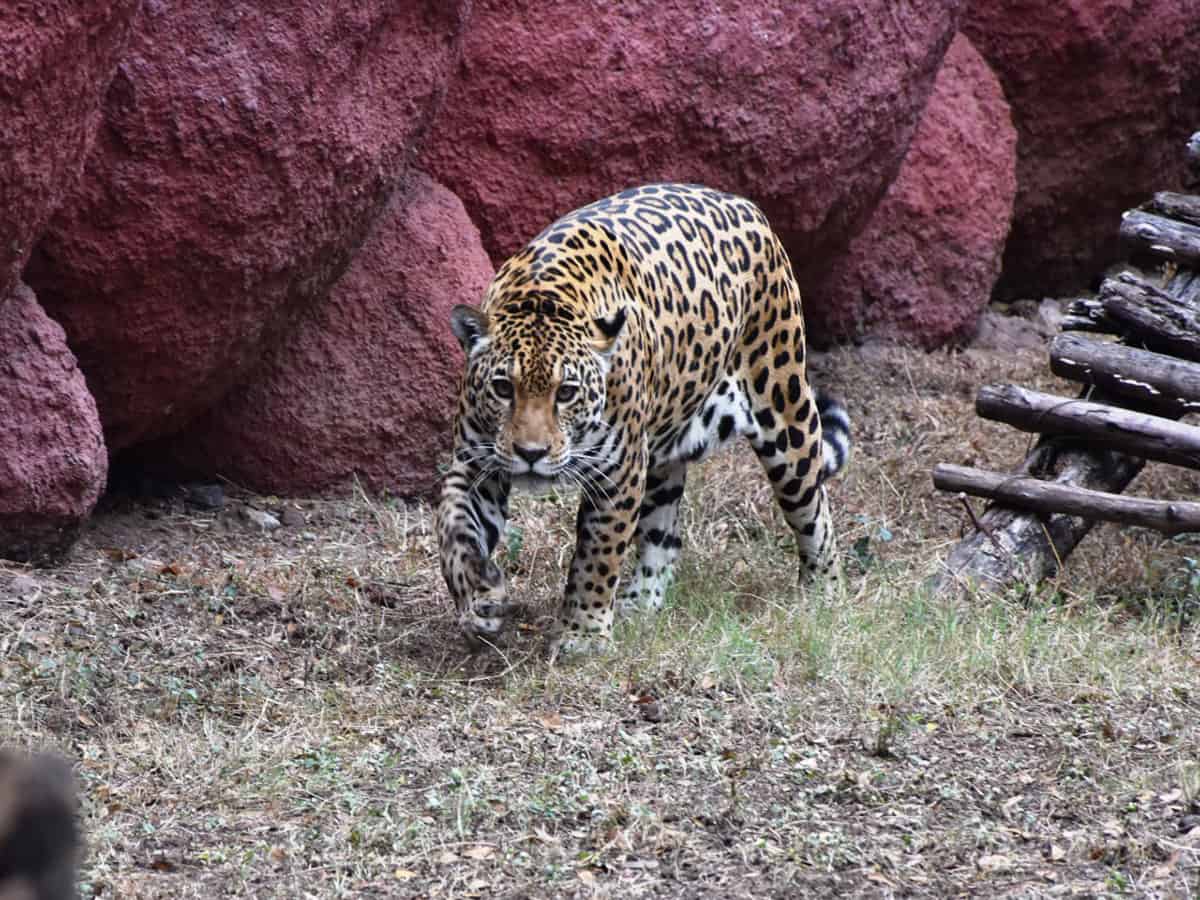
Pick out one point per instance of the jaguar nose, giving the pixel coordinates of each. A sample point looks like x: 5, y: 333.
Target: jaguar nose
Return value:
x: 529, y: 453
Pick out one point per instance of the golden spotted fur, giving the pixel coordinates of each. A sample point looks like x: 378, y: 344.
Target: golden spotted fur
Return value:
x: 627, y: 340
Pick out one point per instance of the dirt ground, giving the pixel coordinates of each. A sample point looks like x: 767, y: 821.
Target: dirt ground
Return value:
x: 288, y: 712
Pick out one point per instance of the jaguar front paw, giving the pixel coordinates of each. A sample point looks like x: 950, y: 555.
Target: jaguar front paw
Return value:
x: 486, y: 612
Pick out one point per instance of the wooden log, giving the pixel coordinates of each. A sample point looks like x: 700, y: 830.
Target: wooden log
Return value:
x: 1164, y: 238
x: 1167, y: 516
x: 1184, y: 288
x: 1172, y: 308
x: 1100, y: 425
x: 1087, y: 314
x: 1011, y: 545
x: 1152, y: 316
x: 1161, y: 384
x: 1183, y: 207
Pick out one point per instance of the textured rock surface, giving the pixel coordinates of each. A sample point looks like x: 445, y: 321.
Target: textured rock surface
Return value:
x: 1104, y: 94
x: 806, y: 108
x: 246, y: 149
x: 52, y: 457
x: 365, y: 386
x: 56, y: 58
x: 923, y: 268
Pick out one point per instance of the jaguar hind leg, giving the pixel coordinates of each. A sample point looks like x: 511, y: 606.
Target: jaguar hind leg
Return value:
x: 790, y: 448
x: 658, y: 539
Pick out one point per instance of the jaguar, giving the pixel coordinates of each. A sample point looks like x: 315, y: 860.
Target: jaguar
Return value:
x: 629, y: 339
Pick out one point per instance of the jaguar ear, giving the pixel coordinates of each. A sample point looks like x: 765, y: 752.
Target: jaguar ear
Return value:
x: 470, y: 326
x: 610, y: 329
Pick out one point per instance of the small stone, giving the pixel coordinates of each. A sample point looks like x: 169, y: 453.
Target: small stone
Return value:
x: 652, y: 711
x: 292, y: 517
x: 263, y: 520
x: 205, y: 496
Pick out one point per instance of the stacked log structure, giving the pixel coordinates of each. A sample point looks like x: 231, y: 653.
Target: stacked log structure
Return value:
x: 1140, y: 371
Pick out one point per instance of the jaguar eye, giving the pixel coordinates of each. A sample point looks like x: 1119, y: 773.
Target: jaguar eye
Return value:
x: 566, y: 392
x: 502, y: 388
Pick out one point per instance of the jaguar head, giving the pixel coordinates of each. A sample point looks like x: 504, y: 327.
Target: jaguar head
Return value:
x: 534, y: 389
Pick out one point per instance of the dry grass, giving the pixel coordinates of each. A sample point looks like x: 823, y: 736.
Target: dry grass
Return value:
x: 291, y: 714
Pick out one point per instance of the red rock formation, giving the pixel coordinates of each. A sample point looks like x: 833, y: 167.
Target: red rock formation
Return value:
x: 56, y: 58
x: 923, y: 268
x: 52, y: 458
x: 365, y: 386
x: 807, y: 108
x: 1104, y: 94
x: 246, y: 149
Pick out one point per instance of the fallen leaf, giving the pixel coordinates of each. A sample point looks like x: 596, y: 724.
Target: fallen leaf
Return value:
x: 447, y: 857
x: 587, y: 876
x: 404, y: 874
x: 277, y: 855
x: 553, y: 721
x: 481, y: 852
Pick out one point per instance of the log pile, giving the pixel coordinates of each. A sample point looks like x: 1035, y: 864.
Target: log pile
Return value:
x: 1135, y: 389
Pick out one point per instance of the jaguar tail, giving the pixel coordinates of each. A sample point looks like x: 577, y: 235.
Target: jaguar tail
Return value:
x: 835, y: 432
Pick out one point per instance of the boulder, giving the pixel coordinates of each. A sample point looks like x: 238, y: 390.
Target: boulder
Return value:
x: 922, y: 270
x: 1104, y: 94
x: 57, y: 59
x: 365, y: 387
x: 53, y: 461
x: 246, y: 149
x: 805, y: 108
